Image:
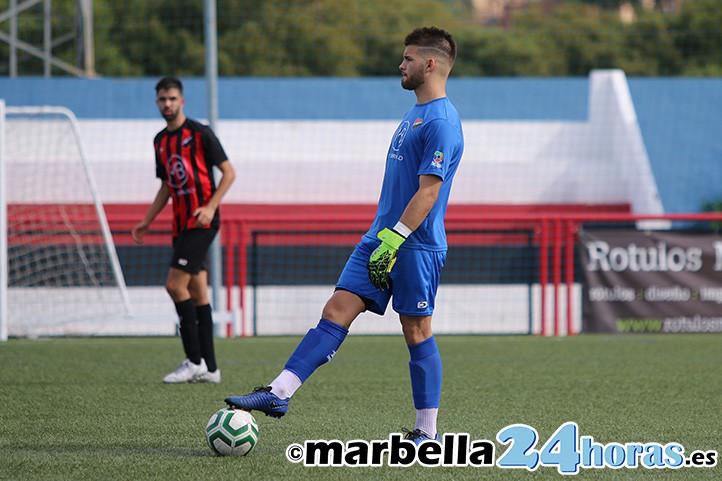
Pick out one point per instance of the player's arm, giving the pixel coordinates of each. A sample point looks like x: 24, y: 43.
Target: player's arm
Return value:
x: 205, y: 213
x: 422, y: 202
x: 159, y: 203
x: 382, y: 259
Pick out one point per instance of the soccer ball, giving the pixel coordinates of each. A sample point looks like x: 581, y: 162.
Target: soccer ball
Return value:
x: 232, y: 432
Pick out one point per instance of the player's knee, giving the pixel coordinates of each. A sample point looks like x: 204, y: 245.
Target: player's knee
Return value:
x: 170, y: 289
x: 176, y: 291
x: 332, y: 312
x: 343, y: 307
x: 415, y: 329
x: 338, y: 313
x: 199, y: 296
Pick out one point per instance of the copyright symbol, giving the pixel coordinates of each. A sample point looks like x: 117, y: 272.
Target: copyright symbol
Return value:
x: 294, y: 453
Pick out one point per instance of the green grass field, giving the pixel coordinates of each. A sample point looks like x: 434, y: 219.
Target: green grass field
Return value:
x: 95, y: 409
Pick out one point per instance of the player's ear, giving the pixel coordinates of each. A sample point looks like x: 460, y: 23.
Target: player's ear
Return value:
x: 430, y: 64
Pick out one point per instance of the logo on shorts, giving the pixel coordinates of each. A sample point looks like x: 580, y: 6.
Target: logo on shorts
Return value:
x: 422, y: 305
x: 182, y: 262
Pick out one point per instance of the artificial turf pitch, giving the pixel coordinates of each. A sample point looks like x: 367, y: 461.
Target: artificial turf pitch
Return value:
x: 96, y: 409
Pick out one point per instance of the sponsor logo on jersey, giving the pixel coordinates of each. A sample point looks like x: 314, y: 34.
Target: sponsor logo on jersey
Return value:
x: 178, y: 176
x: 187, y: 140
x: 438, y: 159
x: 417, y: 123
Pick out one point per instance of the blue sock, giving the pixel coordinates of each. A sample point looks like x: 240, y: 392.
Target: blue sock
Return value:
x: 425, y: 369
x: 317, y: 347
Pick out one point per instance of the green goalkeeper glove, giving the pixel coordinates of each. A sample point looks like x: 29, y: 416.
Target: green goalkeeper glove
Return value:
x: 384, y: 257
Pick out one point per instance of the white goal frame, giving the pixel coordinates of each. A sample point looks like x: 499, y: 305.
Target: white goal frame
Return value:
x: 100, y: 212
x: 3, y: 232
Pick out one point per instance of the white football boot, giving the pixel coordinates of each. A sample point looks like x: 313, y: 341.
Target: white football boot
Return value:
x: 208, y: 376
x: 186, y: 372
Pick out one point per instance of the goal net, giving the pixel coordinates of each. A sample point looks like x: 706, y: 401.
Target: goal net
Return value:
x: 61, y: 272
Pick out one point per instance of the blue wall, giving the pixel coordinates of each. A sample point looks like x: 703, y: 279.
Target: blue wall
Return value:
x: 305, y: 98
x: 680, y: 121
x: 680, y: 118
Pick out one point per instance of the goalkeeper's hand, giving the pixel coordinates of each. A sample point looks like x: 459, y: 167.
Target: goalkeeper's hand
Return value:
x: 384, y: 257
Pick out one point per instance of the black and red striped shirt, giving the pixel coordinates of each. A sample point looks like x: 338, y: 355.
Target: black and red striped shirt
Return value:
x: 184, y: 159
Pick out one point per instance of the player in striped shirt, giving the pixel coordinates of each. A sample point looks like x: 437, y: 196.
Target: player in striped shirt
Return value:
x: 186, y: 152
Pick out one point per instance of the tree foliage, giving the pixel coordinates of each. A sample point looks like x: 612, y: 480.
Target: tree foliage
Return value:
x: 365, y: 38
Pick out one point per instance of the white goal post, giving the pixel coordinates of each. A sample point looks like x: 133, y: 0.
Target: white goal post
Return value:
x: 59, y: 270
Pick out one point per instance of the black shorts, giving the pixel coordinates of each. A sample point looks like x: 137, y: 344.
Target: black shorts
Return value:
x: 190, y: 249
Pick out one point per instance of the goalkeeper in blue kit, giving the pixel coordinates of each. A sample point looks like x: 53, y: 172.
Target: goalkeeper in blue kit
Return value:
x: 401, y: 256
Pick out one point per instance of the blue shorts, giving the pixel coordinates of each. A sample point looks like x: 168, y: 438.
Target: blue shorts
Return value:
x: 414, y: 280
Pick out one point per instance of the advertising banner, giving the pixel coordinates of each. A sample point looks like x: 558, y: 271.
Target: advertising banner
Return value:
x: 651, y: 281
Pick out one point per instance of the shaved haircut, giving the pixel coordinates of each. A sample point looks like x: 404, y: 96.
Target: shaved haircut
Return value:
x: 434, y: 42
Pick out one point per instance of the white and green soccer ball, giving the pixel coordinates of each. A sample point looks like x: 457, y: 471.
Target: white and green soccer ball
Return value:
x: 232, y: 432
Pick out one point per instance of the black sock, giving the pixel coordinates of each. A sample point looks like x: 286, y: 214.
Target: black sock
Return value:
x: 205, y: 335
x: 189, y: 330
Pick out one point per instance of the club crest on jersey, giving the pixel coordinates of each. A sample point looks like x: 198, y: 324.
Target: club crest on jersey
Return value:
x: 400, y: 135
x: 417, y: 123
x: 438, y: 159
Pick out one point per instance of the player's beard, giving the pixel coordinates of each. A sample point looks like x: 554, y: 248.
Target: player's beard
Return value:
x: 413, y: 81
x: 169, y: 115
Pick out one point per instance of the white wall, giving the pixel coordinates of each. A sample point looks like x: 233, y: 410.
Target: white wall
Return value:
x: 602, y: 160
x: 292, y: 310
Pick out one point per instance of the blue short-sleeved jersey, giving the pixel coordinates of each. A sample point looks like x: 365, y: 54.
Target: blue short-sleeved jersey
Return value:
x: 429, y: 141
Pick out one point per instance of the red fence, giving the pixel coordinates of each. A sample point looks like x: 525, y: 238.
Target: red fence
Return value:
x: 554, y: 229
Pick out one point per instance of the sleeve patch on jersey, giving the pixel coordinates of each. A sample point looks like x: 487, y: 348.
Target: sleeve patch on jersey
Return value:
x: 438, y: 159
